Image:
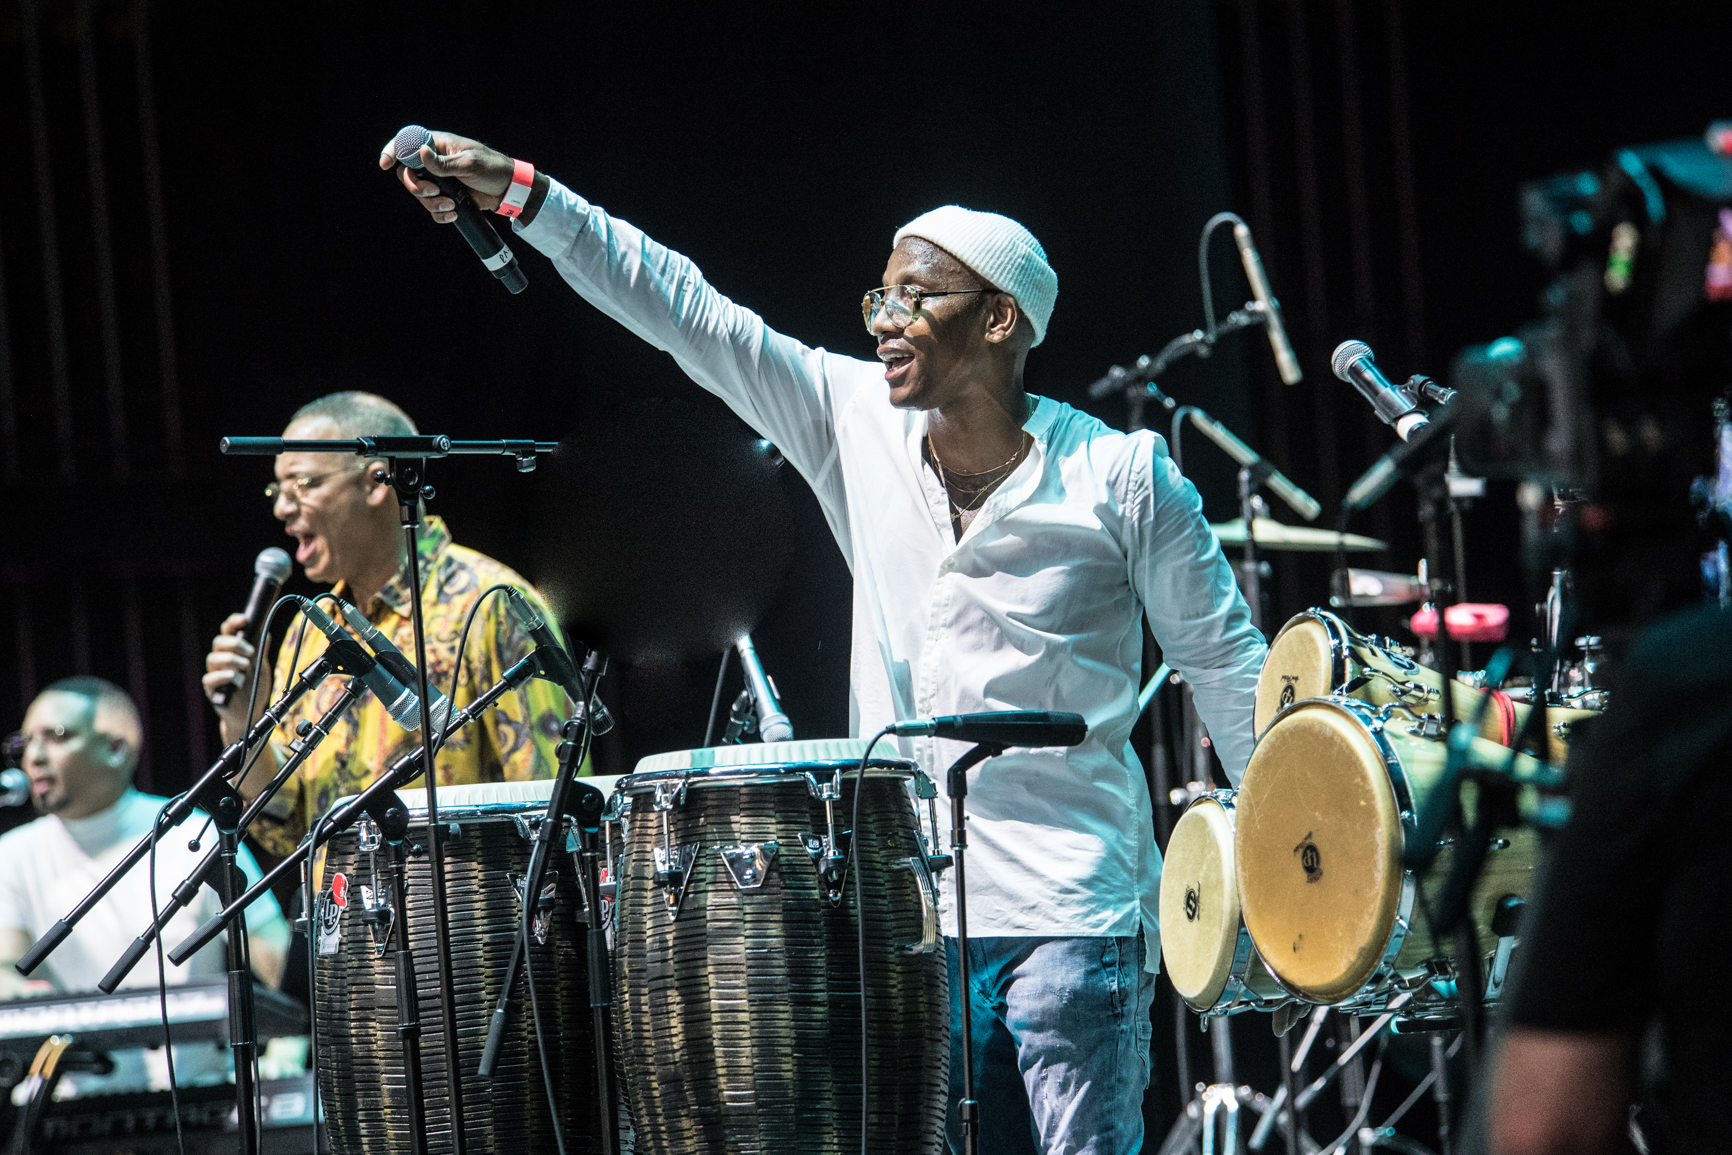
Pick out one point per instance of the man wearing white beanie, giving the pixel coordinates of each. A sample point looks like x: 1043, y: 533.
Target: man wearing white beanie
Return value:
x: 1005, y: 551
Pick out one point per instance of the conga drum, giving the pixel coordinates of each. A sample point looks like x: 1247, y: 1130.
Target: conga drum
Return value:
x: 360, y: 1056
x: 1325, y: 810
x: 1317, y: 654
x: 737, y: 983
x: 1204, y: 946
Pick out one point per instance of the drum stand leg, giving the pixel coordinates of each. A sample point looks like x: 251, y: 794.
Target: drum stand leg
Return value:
x: 957, y: 784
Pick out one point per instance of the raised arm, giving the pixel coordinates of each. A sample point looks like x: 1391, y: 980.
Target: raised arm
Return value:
x: 785, y: 390
x: 1193, y: 605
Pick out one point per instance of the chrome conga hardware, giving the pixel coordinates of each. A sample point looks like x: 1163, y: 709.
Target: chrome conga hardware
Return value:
x: 367, y: 836
x: 674, y: 864
x: 829, y: 853
x: 749, y: 863
x: 923, y: 882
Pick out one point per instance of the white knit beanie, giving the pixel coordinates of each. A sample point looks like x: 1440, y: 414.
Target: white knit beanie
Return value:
x: 999, y: 249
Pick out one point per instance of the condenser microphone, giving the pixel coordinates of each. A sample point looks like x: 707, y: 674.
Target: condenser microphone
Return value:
x: 395, y: 661
x: 1353, y: 363
x: 399, y: 700
x: 1001, y: 727
x: 1285, y: 361
x: 773, y: 725
x: 270, y: 570
x: 495, y: 254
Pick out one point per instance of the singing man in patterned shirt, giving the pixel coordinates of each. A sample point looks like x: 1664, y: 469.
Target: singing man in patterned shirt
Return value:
x: 343, y: 515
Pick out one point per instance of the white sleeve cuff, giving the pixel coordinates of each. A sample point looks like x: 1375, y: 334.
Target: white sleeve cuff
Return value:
x: 562, y: 217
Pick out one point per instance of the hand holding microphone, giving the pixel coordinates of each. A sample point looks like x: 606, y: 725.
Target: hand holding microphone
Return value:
x: 456, y: 178
x: 231, y: 654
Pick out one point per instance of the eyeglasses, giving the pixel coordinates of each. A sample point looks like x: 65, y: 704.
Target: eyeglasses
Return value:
x: 12, y: 746
x: 296, y: 488
x: 901, y: 302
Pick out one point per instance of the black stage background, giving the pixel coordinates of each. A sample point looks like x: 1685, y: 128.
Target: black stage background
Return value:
x: 194, y: 241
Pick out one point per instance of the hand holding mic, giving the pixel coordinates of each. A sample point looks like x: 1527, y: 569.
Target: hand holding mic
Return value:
x: 270, y: 570
x: 495, y: 254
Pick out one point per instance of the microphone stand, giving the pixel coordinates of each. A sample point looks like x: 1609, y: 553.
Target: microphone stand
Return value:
x: 213, y: 794
x: 1136, y: 384
x: 957, y: 785
x: 302, y: 748
x: 379, y: 801
x: 406, y: 459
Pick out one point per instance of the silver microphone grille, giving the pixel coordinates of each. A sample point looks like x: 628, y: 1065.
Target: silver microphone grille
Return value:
x: 273, y: 563
x: 1345, y: 354
x: 406, y: 146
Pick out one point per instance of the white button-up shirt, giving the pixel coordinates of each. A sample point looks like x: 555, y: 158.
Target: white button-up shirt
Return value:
x: 1038, y: 607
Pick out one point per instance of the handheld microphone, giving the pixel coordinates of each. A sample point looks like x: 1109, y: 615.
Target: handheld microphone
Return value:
x: 1001, y: 727
x: 773, y: 725
x: 1285, y: 361
x: 495, y: 254
x: 14, y: 787
x: 270, y: 570
x: 395, y: 661
x: 1353, y: 363
x: 399, y: 700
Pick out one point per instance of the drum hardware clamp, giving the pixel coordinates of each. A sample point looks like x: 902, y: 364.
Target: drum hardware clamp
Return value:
x: 829, y: 853
x: 673, y: 863
x: 917, y: 865
x: 543, y: 907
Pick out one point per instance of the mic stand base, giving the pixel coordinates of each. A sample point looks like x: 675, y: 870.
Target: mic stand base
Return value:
x: 243, y: 1021
x: 957, y: 785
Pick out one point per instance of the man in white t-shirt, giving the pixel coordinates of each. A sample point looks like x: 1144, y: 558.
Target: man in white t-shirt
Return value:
x: 80, y: 744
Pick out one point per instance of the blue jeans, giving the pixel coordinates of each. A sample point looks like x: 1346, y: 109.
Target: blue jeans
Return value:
x: 1061, y: 1044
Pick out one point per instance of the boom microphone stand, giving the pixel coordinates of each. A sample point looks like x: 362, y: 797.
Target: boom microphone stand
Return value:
x: 215, y: 796
x: 406, y: 459
x: 969, y: 1108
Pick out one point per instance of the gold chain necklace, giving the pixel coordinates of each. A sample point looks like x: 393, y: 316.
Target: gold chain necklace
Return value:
x: 974, y: 495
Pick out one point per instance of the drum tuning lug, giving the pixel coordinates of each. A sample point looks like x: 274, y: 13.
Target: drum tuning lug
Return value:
x: 749, y: 863
x: 674, y: 872
x: 937, y: 863
x: 924, y: 787
x: 543, y: 916
x: 830, y: 858
x: 377, y: 914
x: 367, y: 836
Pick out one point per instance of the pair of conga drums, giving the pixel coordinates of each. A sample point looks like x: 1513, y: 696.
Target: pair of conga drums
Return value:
x: 1292, y: 888
x: 737, y: 987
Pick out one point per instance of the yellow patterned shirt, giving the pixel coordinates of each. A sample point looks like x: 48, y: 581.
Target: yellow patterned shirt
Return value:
x: 512, y: 742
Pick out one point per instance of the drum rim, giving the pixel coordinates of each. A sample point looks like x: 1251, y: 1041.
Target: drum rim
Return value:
x: 1371, y: 721
x: 764, y: 772
x: 1340, y: 652
x: 1224, y: 800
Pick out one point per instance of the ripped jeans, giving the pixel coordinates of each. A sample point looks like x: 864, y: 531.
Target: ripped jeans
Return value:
x: 1061, y: 1044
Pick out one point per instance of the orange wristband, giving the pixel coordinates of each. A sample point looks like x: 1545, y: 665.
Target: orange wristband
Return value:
x: 522, y: 182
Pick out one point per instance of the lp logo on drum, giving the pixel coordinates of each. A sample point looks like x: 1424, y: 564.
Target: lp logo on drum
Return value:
x: 1288, y: 693
x: 1191, y: 903
x: 1309, y: 858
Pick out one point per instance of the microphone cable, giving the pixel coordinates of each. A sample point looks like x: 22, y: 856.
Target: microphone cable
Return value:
x: 716, y: 698
x: 162, y: 980
x: 860, y: 929
x: 530, y: 902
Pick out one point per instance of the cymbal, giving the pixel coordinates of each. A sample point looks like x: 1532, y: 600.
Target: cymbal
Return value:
x: 1272, y: 534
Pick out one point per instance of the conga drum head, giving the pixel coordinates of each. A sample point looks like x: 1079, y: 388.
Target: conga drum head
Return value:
x: 1318, y: 850
x: 1307, y: 659
x: 1199, y: 904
